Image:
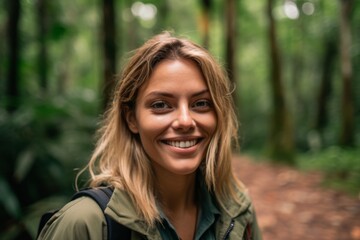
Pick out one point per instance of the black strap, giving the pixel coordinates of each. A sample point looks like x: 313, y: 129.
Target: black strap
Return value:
x: 44, y: 219
x: 102, y: 196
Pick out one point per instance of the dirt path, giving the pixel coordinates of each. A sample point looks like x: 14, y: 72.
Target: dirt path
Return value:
x: 292, y: 205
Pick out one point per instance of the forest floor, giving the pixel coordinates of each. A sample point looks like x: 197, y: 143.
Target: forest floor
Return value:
x: 293, y: 205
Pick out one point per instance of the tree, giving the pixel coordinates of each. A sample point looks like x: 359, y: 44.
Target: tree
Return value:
x: 108, y: 35
x: 42, y: 17
x: 281, y: 142
x: 230, y: 47
x: 347, y: 104
x: 162, y: 22
x: 230, y: 28
x: 205, y: 21
x: 325, y: 88
x: 12, y: 88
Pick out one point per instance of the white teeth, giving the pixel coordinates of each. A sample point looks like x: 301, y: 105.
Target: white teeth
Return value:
x: 182, y: 144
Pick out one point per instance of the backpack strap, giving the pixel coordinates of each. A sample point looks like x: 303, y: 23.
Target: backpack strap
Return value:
x: 102, y: 196
x: 44, y: 219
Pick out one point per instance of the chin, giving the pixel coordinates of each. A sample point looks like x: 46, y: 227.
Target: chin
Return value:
x: 186, y: 170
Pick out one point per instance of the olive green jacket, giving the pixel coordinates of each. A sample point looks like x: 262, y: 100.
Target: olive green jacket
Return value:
x: 83, y: 219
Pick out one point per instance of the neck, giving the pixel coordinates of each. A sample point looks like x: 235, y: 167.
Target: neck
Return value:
x: 176, y: 193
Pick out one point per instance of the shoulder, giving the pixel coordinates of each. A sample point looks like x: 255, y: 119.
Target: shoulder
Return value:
x: 247, y: 218
x: 81, y: 218
x: 237, y: 202
x: 83, y: 210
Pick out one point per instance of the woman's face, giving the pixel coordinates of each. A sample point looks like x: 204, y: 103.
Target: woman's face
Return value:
x: 174, y: 117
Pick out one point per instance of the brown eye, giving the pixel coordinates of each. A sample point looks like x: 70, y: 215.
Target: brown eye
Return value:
x: 202, y: 105
x: 160, y: 106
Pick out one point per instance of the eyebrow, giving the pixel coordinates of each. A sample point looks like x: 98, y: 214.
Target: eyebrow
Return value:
x: 167, y: 94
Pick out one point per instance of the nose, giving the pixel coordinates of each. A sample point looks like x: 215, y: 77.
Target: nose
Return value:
x: 184, y: 120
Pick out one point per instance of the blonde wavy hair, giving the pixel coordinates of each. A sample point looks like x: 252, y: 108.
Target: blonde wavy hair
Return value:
x: 119, y: 158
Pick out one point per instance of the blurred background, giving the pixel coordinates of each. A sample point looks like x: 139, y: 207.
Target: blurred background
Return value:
x: 296, y: 65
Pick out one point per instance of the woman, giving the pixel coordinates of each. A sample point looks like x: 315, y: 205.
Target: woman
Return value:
x: 165, y: 147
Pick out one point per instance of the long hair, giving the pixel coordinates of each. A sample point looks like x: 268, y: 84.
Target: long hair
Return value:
x: 119, y: 158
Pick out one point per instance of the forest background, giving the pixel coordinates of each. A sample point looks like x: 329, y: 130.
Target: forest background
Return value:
x: 294, y: 62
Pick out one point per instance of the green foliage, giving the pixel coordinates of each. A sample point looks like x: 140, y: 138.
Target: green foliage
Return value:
x: 41, y: 145
x: 341, y: 167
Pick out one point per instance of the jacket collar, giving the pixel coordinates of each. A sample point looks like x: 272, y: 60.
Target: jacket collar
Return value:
x: 122, y: 209
x: 234, y: 208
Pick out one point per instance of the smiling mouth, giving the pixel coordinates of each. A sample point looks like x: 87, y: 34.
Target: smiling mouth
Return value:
x: 183, y: 144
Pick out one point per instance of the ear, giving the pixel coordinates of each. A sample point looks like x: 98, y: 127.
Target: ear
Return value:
x: 131, y: 120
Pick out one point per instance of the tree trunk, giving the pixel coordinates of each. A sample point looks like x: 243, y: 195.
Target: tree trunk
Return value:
x: 109, y: 49
x: 281, y: 142
x: 300, y: 107
x: 325, y: 88
x: 347, y: 105
x: 42, y: 30
x: 205, y: 21
x: 230, y: 52
x: 163, y: 16
x: 230, y: 13
x: 12, y: 88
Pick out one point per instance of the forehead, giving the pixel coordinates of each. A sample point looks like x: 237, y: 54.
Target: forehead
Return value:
x: 176, y: 76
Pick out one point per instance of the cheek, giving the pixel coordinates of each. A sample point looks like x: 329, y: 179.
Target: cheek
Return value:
x: 211, y: 123
x: 150, y: 126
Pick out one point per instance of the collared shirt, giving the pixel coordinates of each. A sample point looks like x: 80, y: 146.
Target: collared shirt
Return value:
x: 83, y: 219
x: 205, y: 228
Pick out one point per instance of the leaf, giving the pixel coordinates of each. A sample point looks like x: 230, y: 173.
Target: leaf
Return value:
x: 58, y: 31
x: 9, y: 200
x: 23, y: 164
x: 34, y: 212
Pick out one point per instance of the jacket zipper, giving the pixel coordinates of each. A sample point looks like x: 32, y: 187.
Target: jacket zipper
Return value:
x: 230, y: 228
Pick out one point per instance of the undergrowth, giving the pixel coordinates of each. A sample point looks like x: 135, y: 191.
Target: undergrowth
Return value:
x: 341, y: 167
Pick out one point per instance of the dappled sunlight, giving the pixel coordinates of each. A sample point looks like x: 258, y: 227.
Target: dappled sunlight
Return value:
x: 291, y: 10
x: 146, y: 12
